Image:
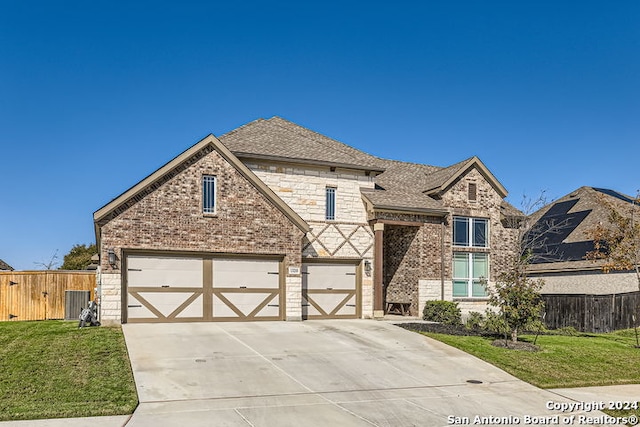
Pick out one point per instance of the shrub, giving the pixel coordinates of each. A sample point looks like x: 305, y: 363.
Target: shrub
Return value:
x: 495, y: 323
x: 446, y: 312
x: 475, y: 321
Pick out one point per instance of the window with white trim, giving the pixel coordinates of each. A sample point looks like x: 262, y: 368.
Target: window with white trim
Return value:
x: 470, y: 232
x: 330, y: 206
x: 470, y: 273
x: 209, y: 194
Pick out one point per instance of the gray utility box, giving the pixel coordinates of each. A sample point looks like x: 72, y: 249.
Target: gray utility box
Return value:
x: 74, y: 302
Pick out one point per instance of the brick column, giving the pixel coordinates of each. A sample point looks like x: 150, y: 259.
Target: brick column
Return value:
x: 378, y: 302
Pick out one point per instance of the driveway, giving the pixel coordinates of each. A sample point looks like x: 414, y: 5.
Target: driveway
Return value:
x: 316, y: 373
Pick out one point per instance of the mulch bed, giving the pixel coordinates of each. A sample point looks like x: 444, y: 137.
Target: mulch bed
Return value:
x: 439, y: 328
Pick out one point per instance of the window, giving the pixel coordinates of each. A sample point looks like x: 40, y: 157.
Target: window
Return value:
x: 330, y: 206
x: 209, y: 194
x: 470, y: 232
x: 469, y: 271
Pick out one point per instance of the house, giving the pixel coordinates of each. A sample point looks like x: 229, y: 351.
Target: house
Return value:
x: 561, y: 230
x: 4, y: 266
x: 273, y: 221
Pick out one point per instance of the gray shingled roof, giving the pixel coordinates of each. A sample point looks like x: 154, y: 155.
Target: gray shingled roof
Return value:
x: 401, y: 185
x: 5, y: 266
x: 574, y: 214
x: 279, y: 138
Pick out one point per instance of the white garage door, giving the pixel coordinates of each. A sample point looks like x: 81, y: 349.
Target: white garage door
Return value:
x: 162, y: 288
x: 330, y: 291
x: 246, y: 289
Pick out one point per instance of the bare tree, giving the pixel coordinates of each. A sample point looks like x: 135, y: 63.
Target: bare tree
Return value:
x: 617, y: 242
x: 49, y: 265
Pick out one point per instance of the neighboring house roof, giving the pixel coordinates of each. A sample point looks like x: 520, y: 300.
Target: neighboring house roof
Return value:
x: 130, y: 196
x: 560, y: 228
x: 280, y: 139
x: 4, y: 266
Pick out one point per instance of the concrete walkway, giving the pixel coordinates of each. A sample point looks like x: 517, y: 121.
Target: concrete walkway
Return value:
x: 323, y: 373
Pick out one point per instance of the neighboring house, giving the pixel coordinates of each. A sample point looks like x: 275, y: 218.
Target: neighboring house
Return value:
x: 273, y: 221
x: 4, y: 266
x: 563, y: 243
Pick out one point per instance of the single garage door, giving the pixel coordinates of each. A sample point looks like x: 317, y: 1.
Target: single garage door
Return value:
x: 330, y: 291
x: 163, y: 288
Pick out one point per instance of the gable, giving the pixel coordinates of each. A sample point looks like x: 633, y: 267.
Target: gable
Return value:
x: 442, y: 180
x: 209, y: 156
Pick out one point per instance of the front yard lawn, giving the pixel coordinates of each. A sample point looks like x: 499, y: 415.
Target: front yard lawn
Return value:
x: 563, y: 361
x: 53, y: 369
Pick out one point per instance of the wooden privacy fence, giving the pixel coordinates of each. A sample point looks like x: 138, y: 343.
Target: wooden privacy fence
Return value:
x: 40, y: 295
x: 592, y: 313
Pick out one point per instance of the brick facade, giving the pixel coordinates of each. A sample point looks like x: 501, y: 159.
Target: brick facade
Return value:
x: 170, y: 218
x: 414, y: 256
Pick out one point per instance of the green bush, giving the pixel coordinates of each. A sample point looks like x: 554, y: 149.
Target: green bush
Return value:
x: 474, y: 321
x: 446, y: 312
x: 495, y: 323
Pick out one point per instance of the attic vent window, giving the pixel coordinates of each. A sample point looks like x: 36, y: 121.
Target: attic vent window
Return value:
x: 473, y: 191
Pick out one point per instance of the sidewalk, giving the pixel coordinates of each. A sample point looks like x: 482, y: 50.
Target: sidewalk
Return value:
x: 618, y: 393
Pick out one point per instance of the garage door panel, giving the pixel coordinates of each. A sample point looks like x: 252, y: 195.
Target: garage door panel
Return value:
x: 330, y: 276
x: 246, y: 274
x: 147, y: 271
x: 165, y: 304
x: 254, y: 304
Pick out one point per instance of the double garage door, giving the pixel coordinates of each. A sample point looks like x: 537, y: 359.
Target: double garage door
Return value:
x: 189, y: 289
x: 176, y: 288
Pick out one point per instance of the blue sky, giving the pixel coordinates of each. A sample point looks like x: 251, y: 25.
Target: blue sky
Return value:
x: 96, y: 95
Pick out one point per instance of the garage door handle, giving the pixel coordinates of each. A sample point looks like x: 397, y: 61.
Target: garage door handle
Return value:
x: 350, y: 305
x: 350, y: 274
x: 243, y: 287
x: 272, y: 272
x: 273, y: 305
x: 134, y: 269
x: 166, y: 286
x: 134, y: 306
x: 329, y: 289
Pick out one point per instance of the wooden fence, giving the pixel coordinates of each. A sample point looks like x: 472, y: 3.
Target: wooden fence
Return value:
x: 40, y: 295
x: 592, y: 313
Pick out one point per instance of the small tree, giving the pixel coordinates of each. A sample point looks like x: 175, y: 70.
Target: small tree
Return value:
x: 617, y: 242
x: 79, y: 257
x: 516, y: 296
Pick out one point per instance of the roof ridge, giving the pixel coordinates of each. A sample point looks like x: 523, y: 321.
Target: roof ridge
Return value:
x: 321, y: 139
x: 235, y: 130
x: 409, y: 163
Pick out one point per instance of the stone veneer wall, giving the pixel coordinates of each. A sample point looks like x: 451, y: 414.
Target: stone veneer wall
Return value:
x: 170, y: 218
x: 349, y: 235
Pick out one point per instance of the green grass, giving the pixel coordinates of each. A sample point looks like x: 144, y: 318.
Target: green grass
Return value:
x: 52, y: 369
x: 563, y: 361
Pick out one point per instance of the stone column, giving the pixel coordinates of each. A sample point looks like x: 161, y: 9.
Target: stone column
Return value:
x: 378, y: 302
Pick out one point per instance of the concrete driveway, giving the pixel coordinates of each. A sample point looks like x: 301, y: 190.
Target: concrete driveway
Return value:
x: 317, y: 373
